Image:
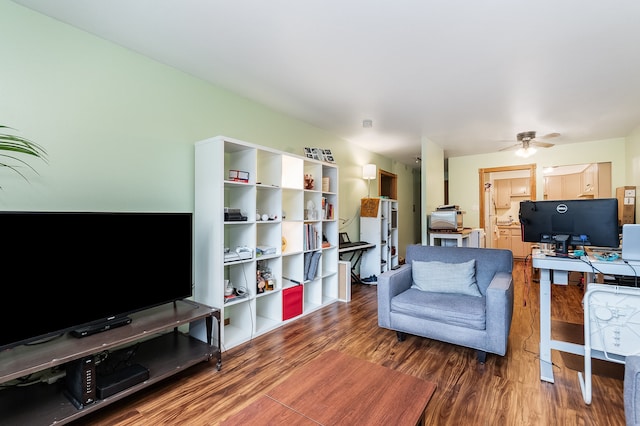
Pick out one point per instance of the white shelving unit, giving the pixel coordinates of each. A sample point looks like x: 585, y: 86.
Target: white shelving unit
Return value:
x: 381, y: 230
x: 296, y: 225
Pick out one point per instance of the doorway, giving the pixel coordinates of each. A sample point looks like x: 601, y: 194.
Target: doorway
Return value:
x: 486, y: 194
x: 387, y: 184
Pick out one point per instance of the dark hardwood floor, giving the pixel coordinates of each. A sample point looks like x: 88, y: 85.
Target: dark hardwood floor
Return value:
x: 503, y: 391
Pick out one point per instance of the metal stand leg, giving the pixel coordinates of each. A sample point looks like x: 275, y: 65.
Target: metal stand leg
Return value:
x: 546, y: 367
x: 209, y: 326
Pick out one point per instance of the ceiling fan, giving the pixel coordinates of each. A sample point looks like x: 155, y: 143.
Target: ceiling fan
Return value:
x: 527, y: 142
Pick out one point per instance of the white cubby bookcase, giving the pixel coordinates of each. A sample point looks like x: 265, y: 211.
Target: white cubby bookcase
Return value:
x: 381, y: 230
x: 262, y: 183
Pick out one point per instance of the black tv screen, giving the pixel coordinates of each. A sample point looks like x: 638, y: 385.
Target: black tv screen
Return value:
x: 581, y: 222
x: 66, y: 270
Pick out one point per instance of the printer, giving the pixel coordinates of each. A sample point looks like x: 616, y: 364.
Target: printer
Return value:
x: 446, y: 218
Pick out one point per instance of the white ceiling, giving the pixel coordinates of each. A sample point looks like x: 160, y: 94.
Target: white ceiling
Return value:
x: 468, y: 75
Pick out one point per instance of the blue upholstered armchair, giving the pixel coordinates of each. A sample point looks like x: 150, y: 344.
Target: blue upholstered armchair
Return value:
x: 459, y: 295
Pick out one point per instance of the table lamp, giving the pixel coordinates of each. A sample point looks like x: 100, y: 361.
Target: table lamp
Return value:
x: 368, y: 173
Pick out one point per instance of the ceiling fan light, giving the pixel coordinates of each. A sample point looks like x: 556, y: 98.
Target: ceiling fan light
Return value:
x: 526, y: 152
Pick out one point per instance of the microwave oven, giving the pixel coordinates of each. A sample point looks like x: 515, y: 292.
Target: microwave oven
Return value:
x: 450, y: 220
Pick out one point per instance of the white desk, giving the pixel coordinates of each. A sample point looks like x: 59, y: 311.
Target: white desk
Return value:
x: 461, y: 237
x: 547, y: 264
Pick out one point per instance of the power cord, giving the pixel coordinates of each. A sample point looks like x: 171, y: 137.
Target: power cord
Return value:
x: 347, y: 222
x: 243, y: 292
x: 635, y: 273
x: 108, y: 362
x: 527, y: 279
x: 596, y: 270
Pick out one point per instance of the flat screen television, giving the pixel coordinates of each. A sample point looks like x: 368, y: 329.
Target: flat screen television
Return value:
x: 83, y: 272
x: 566, y: 223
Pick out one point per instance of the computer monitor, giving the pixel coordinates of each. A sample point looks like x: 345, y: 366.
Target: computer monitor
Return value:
x: 567, y: 223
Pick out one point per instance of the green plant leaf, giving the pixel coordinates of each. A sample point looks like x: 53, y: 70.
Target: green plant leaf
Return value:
x: 12, y: 144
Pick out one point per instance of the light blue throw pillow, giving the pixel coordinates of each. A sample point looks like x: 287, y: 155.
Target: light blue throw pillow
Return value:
x: 442, y: 277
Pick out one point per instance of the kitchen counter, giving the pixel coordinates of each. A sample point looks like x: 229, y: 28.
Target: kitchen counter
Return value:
x: 510, y: 237
x: 513, y: 225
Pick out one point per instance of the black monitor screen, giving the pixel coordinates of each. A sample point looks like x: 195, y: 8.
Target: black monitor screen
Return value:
x: 583, y: 222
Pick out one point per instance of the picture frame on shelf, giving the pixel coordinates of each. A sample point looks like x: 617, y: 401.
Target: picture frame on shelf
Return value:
x: 328, y: 156
x: 319, y: 154
x: 308, y: 152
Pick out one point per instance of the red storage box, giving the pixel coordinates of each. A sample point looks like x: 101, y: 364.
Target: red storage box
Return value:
x: 291, y: 302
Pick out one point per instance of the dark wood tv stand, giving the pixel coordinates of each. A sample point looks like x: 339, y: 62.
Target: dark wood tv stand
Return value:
x: 161, y: 346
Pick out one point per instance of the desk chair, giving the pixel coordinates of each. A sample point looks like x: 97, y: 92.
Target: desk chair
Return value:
x: 611, y: 327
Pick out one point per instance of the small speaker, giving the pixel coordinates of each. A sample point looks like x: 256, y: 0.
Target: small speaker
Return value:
x: 120, y: 380
x: 81, y: 381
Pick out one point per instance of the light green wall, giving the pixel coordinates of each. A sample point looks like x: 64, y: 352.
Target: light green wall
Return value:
x: 632, y: 154
x: 463, y: 171
x: 120, y: 128
x: 432, y: 182
x: 409, y: 205
x: 633, y: 158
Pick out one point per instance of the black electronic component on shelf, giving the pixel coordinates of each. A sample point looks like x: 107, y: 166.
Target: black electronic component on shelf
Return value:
x: 234, y: 215
x: 81, y: 381
x: 120, y: 380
